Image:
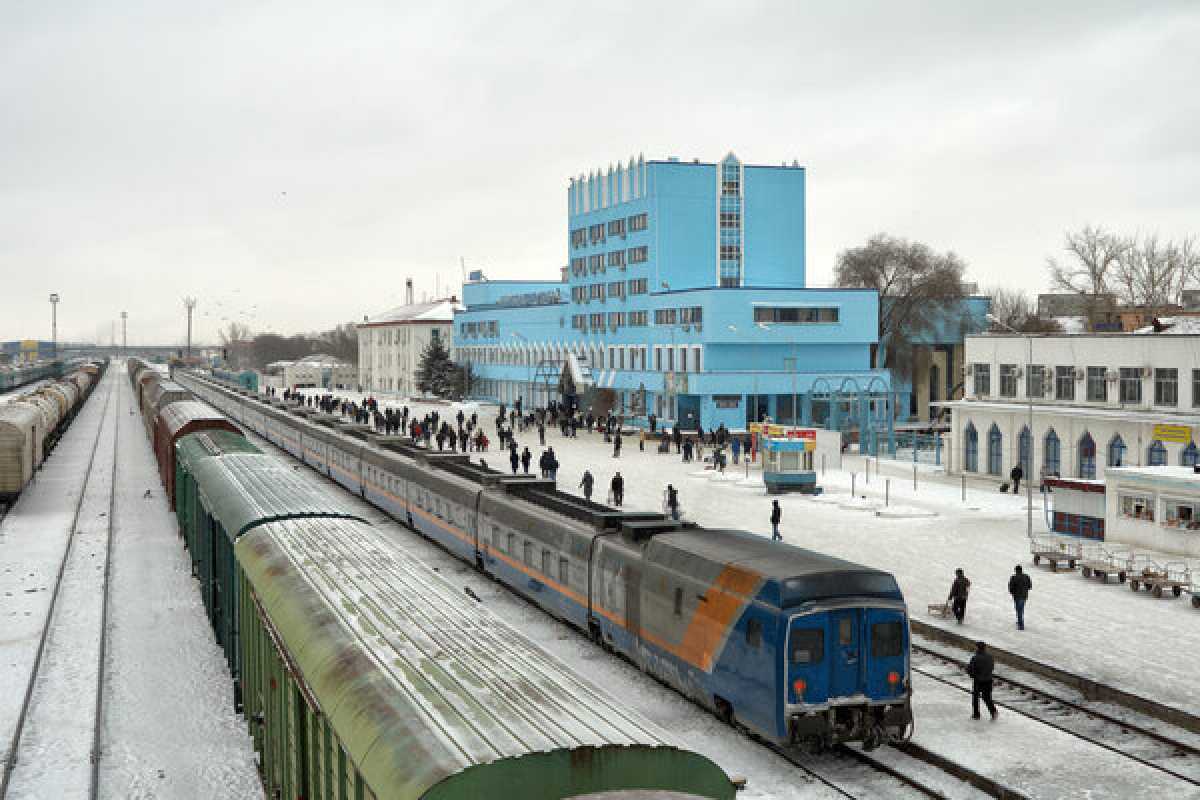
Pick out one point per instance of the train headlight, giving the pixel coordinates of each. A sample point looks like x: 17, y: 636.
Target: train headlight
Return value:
x: 799, y: 685
x: 893, y: 679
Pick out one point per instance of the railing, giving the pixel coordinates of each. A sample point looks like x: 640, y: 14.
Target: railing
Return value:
x: 925, y: 448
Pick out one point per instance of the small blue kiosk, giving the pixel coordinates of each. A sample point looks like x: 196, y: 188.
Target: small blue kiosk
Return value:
x: 787, y: 454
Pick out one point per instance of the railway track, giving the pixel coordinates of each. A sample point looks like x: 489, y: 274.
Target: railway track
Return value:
x: 47, y: 755
x: 1031, y: 697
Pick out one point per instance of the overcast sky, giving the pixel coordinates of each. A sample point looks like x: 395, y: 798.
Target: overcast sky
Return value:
x: 290, y: 163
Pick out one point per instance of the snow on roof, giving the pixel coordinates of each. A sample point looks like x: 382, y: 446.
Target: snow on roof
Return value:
x: 1072, y: 325
x: 1174, y: 325
x: 433, y: 312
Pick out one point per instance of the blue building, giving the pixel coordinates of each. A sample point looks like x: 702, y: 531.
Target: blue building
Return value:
x: 683, y: 296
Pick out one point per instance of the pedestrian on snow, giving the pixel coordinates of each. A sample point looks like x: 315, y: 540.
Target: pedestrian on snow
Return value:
x: 776, y: 518
x: 552, y: 463
x: 590, y: 421
x: 542, y: 434
x: 1018, y: 586
x: 736, y: 447
x: 526, y: 457
x: 513, y: 458
x: 1015, y: 476
x: 544, y: 464
x: 687, y: 451
x: 958, y: 595
x: 980, y: 668
x: 673, y: 501
x: 678, y: 439
x: 617, y: 487
x: 586, y: 484
x: 617, y: 445
x: 653, y: 423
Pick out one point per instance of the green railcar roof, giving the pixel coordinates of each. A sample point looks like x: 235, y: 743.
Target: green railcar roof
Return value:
x: 431, y: 695
x: 198, y: 446
x: 243, y: 490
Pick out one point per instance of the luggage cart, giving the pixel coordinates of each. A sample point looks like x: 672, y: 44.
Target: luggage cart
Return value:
x: 1056, y: 551
x: 1103, y: 563
x: 943, y: 609
x: 1158, y: 577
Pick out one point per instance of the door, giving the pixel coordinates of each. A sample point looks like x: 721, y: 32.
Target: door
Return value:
x: 633, y: 600
x: 845, y: 661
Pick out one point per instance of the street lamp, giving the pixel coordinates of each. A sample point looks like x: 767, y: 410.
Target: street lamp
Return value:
x: 190, y: 304
x: 124, y: 338
x: 1028, y: 478
x: 54, y: 322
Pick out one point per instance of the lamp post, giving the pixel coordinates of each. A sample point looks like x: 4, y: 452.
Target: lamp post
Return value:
x: 54, y: 323
x: 190, y: 304
x: 1028, y: 396
x: 124, y: 339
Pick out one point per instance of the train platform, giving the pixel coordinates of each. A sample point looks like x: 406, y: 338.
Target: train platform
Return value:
x: 166, y: 728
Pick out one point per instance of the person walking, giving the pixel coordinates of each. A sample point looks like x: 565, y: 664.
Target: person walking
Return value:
x: 617, y: 487
x: 526, y: 457
x: 736, y: 446
x: 980, y: 668
x: 1015, y: 476
x: 673, y: 502
x: 617, y: 445
x: 1018, y: 586
x: 552, y: 464
x: 586, y: 484
x: 958, y: 595
x: 776, y: 518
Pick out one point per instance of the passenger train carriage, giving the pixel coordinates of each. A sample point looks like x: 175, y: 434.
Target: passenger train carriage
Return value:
x: 793, y: 645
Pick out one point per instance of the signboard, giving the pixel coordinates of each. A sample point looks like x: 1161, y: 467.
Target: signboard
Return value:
x: 783, y: 431
x: 1177, y: 434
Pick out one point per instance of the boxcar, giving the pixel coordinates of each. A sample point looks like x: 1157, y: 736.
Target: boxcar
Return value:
x: 158, y: 396
x: 180, y: 419
x: 18, y: 453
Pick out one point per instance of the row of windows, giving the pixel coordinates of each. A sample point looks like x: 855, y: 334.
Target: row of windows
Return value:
x: 1128, y: 380
x: 1085, y: 467
x: 616, y: 289
x: 598, y: 233
x: 474, y: 330
x: 615, y: 320
x: 794, y: 316
x: 581, y: 265
x: 691, y: 315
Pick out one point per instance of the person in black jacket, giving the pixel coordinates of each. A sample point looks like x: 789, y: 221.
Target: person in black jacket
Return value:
x: 958, y: 595
x: 980, y: 668
x: 513, y: 458
x: 1018, y: 586
x: 586, y: 484
x: 1015, y: 476
x: 617, y: 487
x: 526, y: 457
x: 673, y: 501
x: 776, y: 517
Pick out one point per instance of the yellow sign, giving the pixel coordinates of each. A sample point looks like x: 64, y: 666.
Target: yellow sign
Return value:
x: 1178, y: 434
x: 756, y: 427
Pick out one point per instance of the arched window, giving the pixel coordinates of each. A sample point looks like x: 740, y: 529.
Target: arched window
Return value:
x: 1157, y: 455
x: 1116, y: 451
x: 1087, y: 457
x: 970, y: 449
x: 1190, y: 456
x: 995, y: 451
x: 1050, y: 453
x: 1024, y: 456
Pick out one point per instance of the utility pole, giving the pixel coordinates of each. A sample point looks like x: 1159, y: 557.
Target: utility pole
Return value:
x: 190, y: 304
x: 124, y: 338
x: 54, y: 321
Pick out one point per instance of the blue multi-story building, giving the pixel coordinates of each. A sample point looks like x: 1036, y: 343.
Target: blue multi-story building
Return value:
x: 683, y: 296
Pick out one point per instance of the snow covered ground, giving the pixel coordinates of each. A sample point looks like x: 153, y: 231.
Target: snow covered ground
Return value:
x: 169, y: 727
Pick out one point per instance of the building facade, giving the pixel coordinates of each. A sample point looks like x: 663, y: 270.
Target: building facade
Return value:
x: 390, y: 344
x: 1098, y: 401
x: 684, y: 296
x: 321, y: 371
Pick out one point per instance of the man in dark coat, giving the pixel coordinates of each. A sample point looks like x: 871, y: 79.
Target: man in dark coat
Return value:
x: 958, y: 595
x: 673, y: 501
x: 776, y: 518
x: 617, y: 445
x: 1018, y: 586
x: 618, y: 489
x: 1015, y: 476
x: 586, y: 484
x: 980, y: 668
x: 513, y: 458
x: 551, y: 464
x: 526, y: 457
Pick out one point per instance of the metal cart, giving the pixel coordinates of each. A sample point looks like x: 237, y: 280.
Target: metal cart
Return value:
x: 1056, y: 551
x: 1157, y: 577
x: 1102, y: 563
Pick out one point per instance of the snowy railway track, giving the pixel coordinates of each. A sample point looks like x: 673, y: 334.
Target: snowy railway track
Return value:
x: 1031, y: 698
x: 48, y: 746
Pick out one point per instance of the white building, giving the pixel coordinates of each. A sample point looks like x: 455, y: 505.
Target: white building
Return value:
x: 318, y: 370
x: 1154, y: 508
x: 390, y: 345
x: 1099, y: 401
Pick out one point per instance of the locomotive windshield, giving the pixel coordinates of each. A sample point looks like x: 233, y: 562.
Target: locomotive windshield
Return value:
x: 839, y: 584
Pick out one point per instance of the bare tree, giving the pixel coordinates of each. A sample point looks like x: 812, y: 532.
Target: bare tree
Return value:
x: 341, y: 342
x: 1015, y: 308
x: 918, y: 289
x: 234, y: 332
x: 1092, y: 255
x: 1151, y: 273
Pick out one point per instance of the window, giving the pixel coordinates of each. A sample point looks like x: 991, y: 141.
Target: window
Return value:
x: 971, y: 449
x: 564, y: 571
x: 512, y: 544
x: 983, y: 379
x: 806, y: 646
x: 1181, y: 514
x: 1097, y: 389
x: 1157, y: 455
x: 616, y: 289
x: 596, y: 233
x: 845, y: 631
x: 616, y: 227
x: 692, y: 315
x: 546, y: 563
x: 794, y: 316
x: 1087, y: 457
x: 1131, y: 385
x: 616, y: 319
x: 1190, y: 456
x: 678, y: 601
x: 995, y: 454
x: 1196, y: 388
x: 1008, y: 380
x: 1050, y: 453
x: 637, y: 255
x: 731, y: 220
x: 638, y: 222
x: 637, y: 286
x: 616, y: 258
x: 1064, y: 383
x: 754, y: 633
x: 529, y: 554
x: 1116, y: 451
x: 638, y: 319
x: 578, y: 266
x: 578, y: 237
x: 596, y: 291
x: 1166, y: 387
x: 727, y: 400
x: 664, y: 316
x: 1024, y: 445
x: 596, y: 263
x: 887, y: 640
x: 1035, y: 381
x: 1137, y: 506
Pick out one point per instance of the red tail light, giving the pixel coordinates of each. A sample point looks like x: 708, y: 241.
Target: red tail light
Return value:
x: 893, y: 678
x: 799, y: 685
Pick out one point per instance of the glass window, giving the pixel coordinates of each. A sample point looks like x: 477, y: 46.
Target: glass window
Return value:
x: 1116, y: 451
x: 1008, y: 380
x: 1024, y: 443
x: 754, y: 632
x: 1157, y: 457
x: 1190, y: 455
x: 995, y: 452
x: 1196, y: 388
x: 1064, y: 383
x: 983, y: 379
x: 971, y: 449
x: 1181, y: 514
x: 1166, y: 387
x: 1097, y: 389
x: 845, y: 631
x: 1035, y: 381
x: 887, y: 639
x: 1051, y: 454
x: 678, y: 601
x: 1131, y: 385
x: 1137, y: 506
x: 807, y: 646
x: 1087, y: 457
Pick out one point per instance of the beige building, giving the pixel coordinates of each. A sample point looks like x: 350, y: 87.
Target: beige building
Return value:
x: 317, y: 370
x: 390, y: 344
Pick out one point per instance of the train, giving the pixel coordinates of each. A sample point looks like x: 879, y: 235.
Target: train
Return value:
x: 14, y: 376
x: 31, y: 424
x: 363, y: 673
x: 794, y: 646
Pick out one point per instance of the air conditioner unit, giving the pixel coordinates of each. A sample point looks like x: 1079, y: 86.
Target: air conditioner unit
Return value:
x: 1080, y: 373
x: 1147, y: 372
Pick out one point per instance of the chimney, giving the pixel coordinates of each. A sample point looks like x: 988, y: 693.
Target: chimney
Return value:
x: 408, y: 291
